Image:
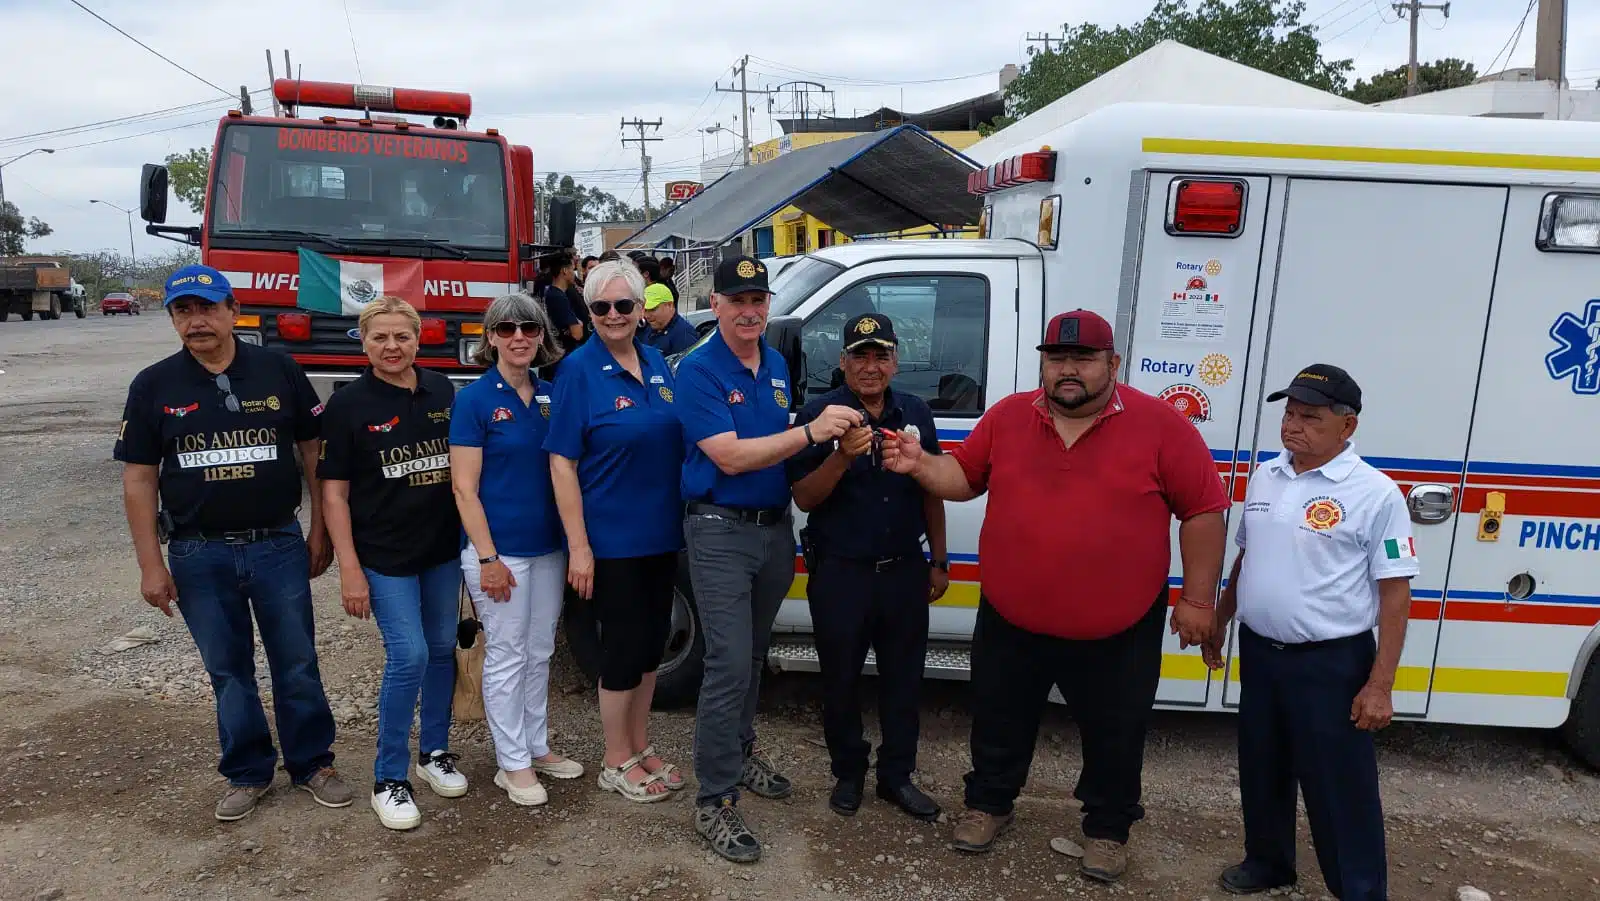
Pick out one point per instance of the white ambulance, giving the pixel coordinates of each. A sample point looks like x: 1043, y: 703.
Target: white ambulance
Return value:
x: 1452, y: 265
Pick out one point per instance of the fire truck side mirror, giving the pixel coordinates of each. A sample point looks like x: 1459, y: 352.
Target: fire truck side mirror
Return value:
x: 153, y: 193
x: 563, y: 222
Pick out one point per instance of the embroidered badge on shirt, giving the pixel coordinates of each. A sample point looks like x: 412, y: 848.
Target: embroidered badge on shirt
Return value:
x: 624, y: 403
x: 779, y: 383
x: 1323, y: 513
x: 781, y: 398
x: 657, y: 380
x: 501, y: 414
x: 736, y: 396
x: 666, y: 393
x: 384, y: 426
x: 181, y: 411
x: 317, y: 410
x: 544, y: 410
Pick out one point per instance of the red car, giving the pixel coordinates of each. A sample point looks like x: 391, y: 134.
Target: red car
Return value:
x: 119, y: 303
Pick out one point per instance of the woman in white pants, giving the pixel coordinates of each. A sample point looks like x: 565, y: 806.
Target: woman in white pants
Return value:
x: 514, y: 562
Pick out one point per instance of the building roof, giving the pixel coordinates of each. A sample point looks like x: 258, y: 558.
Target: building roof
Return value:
x: 1505, y: 98
x: 1169, y: 72
x: 964, y: 115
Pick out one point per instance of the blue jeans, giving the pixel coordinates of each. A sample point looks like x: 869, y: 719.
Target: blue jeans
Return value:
x: 417, y: 616
x: 219, y: 585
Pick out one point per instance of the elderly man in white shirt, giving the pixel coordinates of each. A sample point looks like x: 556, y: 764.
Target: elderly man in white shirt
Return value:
x: 1329, y: 556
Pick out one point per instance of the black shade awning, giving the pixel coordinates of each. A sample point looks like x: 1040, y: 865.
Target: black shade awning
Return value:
x: 864, y: 185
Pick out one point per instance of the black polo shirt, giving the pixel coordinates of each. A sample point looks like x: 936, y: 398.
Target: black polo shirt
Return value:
x: 393, y: 447
x: 222, y: 470
x: 872, y: 513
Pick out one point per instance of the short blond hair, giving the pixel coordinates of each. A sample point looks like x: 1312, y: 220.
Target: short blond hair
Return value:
x: 388, y: 303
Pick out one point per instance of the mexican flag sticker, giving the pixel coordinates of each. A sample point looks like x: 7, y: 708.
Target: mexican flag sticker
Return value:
x: 1399, y: 548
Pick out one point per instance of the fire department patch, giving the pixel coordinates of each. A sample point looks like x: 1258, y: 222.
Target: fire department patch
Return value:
x: 1323, y: 513
x: 1188, y: 400
x: 385, y: 426
x: 666, y: 393
x: 501, y: 414
x: 736, y: 396
x: 181, y: 411
x: 781, y: 398
x: 623, y: 403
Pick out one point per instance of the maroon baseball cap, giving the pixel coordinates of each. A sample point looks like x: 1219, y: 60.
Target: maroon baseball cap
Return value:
x: 1078, y: 328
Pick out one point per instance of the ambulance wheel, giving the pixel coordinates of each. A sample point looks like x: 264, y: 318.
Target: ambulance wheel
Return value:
x: 1582, y: 729
x: 682, y: 659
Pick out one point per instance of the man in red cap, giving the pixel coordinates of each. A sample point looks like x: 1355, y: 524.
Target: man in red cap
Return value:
x: 1084, y: 477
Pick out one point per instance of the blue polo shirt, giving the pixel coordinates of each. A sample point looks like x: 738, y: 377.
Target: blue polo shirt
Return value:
x: 677, y: 337
x: 514, y: 485
x: 717, y: 394
x: 627, y: 441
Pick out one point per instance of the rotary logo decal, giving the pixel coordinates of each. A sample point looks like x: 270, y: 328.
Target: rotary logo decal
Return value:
x: 623, y: 403
x: 780, y: 398
x: 746, y: 269
x: 1213, y: 268
x: 1215, y: 369
x: 203, y: 279
x: 1323, y: 513
x: 385, y: 426
x: 1190, y: 401
x: 501, y: 414
x: 666, y: 393
x: 273, y: 402
x: 735, y: 396
x: 181, y: 411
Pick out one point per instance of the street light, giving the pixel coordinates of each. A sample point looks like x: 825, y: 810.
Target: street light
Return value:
x: 711, y: 130
x: 131, y: 252
x: 14, y: 159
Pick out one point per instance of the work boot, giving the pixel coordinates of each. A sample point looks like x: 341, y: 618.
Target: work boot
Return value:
x: 1104, y: 860
x: 239, y: 801
x: 328, y: 789
x: 976, y: 831
x: 846, y: 797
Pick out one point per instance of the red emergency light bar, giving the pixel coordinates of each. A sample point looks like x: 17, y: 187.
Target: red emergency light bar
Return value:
x: 1028, y: 167
x: 334, y: 95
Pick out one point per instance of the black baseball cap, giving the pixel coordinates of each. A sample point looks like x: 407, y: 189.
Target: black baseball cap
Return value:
x: 736, y: 275
x: 869, y: 328
x: 1322, y: 385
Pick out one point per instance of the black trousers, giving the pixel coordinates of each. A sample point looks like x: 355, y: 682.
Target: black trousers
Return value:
x: 1294, y: 727
x: 856, y: 606
x: 1110, y: 687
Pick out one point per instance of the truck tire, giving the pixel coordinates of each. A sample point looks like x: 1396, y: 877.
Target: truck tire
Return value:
x: 682, y: 659
x: 55, y: 308
x: 27, y: 315
x: 1582, y: 729
x: 79, y: 311
x: 5, y: 312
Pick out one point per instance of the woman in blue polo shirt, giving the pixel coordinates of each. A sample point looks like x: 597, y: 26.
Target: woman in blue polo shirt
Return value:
x: 513, y: 562
x: 616, y: 454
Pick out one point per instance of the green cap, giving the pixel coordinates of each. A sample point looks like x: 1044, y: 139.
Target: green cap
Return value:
x: 656, y: 294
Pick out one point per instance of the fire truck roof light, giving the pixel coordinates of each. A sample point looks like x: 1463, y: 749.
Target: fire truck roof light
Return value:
x: 372, y: 98
x: 1208, y: 208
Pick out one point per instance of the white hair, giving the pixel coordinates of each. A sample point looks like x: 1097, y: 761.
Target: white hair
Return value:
x: 606, y: 273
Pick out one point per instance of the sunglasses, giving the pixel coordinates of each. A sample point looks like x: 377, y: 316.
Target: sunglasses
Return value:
x: 226, y: 387
x: 603, y: 307
x: 507, y: 329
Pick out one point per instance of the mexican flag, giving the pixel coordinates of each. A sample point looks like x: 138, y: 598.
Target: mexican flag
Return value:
x: 342, y: 287
x: 1399, y: 548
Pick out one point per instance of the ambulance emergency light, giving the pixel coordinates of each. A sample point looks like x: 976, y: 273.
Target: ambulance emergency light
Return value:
x: 1028, y: 167
x: 335, y: 95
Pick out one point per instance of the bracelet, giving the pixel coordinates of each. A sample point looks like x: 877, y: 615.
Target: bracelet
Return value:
x: 807, y: 429
x: 1206, y: 605
x: 485, y: 561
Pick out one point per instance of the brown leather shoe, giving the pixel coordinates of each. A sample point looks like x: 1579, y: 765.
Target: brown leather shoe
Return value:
x: 328, y: 789
x: 976, y: 831
x: 1104, y: 860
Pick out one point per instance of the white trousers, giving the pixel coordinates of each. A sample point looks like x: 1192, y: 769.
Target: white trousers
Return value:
x: 521, y: 637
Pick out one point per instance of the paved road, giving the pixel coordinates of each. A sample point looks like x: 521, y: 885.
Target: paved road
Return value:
x: 109, y: 781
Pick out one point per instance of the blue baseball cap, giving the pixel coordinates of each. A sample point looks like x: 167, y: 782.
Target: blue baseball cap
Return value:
x: 203, y: 282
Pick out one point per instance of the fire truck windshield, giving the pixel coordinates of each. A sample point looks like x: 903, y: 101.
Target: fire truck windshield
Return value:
x: 275, y: 182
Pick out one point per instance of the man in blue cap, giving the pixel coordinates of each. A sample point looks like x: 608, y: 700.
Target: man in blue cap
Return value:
x: 207, y: 446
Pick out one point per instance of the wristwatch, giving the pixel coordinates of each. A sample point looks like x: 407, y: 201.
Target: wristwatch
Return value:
x: 942, y: 565
x: 485, y: 561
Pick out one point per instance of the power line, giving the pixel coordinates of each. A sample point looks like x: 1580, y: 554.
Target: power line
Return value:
x: 111, y: 123
x: 1364, y: 20
x: 352, y: 30
x: 1330, y: 11
x: 1514, y: 39
x: 158, y: 53
x: 157, y: 131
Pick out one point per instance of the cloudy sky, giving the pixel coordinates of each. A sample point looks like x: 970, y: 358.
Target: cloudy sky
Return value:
x: 559, y: 77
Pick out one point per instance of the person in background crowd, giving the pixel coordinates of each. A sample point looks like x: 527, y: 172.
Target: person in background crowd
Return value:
x: 513, y: 562
x: 870, y: 585
x: 385, y: 472
x: 1084, y: 478
x: 668, y: 268
x: 558, y: 297
x: 1330, y: 556
x: 585, y: 267
x: 207, y: 445
x: 575, y: 295
x: 649, y: 268
x: 616, y: 454
x: 733, y: 401
x: 610, y: 256
x: 664, y: 329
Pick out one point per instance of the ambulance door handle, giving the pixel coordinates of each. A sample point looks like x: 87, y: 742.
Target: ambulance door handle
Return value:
x: 1431, y: 503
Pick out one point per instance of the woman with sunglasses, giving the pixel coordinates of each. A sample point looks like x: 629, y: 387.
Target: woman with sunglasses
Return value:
x: 616, y: 456
x: 513, y: 562
x: 385, y: 470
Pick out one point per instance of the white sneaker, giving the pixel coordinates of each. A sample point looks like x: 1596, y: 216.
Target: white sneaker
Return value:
x: 565, y: 768
x: 391, y: 800
x: 533, y: 796
x: 441, y: 774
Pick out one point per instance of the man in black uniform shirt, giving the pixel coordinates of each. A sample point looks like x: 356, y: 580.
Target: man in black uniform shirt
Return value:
x: 870, y: 585
x: 213, y: 429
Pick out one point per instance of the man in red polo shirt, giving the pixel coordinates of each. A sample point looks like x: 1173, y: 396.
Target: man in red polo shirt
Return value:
x: 1084, y: 477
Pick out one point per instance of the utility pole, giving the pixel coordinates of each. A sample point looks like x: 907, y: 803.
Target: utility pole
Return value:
x: 244, y: 99
x: 1415, y: 8
x: 744, y: 92
x: 644, y: 158
x: 1549, y: 55
x: 272, y: 78
x: 1046, y: 39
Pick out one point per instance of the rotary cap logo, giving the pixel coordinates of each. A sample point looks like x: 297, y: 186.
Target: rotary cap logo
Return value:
x: 746, y: 269
x: 203, y: 279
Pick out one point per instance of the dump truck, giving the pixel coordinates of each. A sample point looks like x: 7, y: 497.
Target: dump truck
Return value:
x: 39, y: 286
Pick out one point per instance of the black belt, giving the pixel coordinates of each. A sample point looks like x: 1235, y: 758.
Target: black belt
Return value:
x: 1277, y: 645
x: 769, y: 516
x: 879, y: 564
x: 239, y: 536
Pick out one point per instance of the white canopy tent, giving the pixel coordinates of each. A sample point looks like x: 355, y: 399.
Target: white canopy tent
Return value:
x: 1169, y: 72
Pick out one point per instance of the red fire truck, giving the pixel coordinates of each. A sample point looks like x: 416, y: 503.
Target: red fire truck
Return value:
x: 436, y: 214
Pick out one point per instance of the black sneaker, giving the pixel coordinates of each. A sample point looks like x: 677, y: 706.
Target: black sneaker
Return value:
x: 724, y: 829
x: 762, y: 778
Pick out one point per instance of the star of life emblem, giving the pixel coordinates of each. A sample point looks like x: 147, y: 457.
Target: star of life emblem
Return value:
x: 1578, y: 357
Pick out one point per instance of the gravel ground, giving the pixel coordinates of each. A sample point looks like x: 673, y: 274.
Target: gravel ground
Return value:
x: 112, y: 754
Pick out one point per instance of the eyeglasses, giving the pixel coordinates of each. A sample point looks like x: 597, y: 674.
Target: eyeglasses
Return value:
x: 226, y: 387
x: 507, y: 329
x: 603, y: 307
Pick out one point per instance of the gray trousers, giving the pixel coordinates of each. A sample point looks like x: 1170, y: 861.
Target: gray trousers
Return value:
x: 741, y: 573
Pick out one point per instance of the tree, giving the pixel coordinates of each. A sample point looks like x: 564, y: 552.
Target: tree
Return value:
x: 109, y: 270
x: 16, y: 231
x: 188, y: 173
x: 594, y: 205
x: 1440, y: 75
x: 1263, y: 34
